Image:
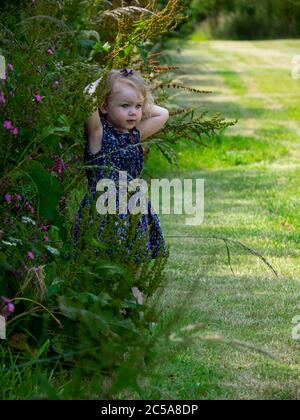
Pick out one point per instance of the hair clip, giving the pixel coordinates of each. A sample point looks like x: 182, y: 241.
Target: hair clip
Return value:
x: 127, y: 72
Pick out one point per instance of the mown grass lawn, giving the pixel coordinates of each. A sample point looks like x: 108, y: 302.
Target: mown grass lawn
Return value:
x: 251, y: 175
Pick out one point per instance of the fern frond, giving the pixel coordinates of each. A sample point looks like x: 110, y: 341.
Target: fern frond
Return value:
x: 181, y: 111
x: 57, y: 22
x: 168, y: 152
x: 120, y: 11
x: 176, y: 86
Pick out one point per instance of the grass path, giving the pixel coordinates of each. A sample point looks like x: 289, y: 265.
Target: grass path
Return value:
x: 253, y: 199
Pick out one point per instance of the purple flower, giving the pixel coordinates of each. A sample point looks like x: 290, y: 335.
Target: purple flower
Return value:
x: 30, y: 255
x: 7, y: 308
x: 46, y: 238
x: 43, y: 227
x: 59, y: 165
x: 15, y: 131
x: 2, y: 98
x: 37, y: 98
x: 9, y: 67
x: 50, y: 51
x: 28, y: 206
x: 18, y: 197
x: 8, y: 303
x: 8, y: 124
x: 8, y: 197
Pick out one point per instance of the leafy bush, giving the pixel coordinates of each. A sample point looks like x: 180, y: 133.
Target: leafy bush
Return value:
x: 244, y: 19
x: 83, y: 322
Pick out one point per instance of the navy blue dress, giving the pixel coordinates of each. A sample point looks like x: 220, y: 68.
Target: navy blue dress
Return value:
x: 121, y: 152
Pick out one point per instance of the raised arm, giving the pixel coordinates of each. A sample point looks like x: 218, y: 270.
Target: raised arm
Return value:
x: 94, y: 131
x: 93, y: 124
x: 150, y: 126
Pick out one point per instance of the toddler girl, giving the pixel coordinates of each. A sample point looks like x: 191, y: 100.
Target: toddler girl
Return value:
x: 113, y: 136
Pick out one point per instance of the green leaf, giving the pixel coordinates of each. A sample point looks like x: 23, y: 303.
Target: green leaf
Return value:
x: 106, y: 47
x: 103, y: 299
x: 127, y: 324
x: 63, y: 126
x: 52, y: 142
x: 52, y: 250
x: 48, y: 131
x: 43, y: 349
x: 92, y: 320
x: 143, y: 52
x: 54, y: 288
x: 128, y: 50
x: 87, y: 42
x: 111, y: 268
x: 48, y: 189
x: 64, y: 120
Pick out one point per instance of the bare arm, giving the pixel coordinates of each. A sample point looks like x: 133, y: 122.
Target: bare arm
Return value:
x: 93, y: 124
x: 150, y: 126
x: 94, y: 131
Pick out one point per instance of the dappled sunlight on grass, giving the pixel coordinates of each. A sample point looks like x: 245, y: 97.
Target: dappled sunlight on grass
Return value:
x: 251, y: 174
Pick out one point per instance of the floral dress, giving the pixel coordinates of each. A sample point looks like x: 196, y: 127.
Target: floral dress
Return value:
x: 121, y: 152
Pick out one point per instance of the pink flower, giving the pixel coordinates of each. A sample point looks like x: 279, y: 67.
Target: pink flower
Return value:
x: 46, y: 238
x: 8, y: 197
x: 7, y: 308
x: 15, y: 131
x: 18, y: 197
x: 43, y: 227
x: 28, y: 206
x: 59, y: 165
x: 50, y: 51
x: 2, y: 98
x: 8, y: 303
x: 38, y: 98
x: 30, y: 255
x: 8, y: 124
x: 17, y: 206
x: 9, y: 67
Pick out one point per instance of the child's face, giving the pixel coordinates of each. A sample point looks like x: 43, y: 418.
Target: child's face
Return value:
x: 124, y: 107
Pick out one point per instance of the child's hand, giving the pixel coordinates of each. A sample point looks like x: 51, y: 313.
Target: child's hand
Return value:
x: 150, y: 126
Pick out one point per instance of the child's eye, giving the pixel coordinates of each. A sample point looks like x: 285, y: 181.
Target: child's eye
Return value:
x: 139, y: 106
x: 124, y: 105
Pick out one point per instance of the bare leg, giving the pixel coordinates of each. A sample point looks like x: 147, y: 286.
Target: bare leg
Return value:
x: 138, y: 294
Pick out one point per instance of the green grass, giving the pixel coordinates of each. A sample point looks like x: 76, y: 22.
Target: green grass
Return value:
x: 222, y: 150
x: 251, y: 175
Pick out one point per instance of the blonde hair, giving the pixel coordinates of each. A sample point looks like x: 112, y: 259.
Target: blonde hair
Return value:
x: 134, y: 79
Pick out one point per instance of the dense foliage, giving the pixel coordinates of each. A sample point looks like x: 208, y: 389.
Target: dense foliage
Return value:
x: 243, y: 19
x: 81, y: 323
